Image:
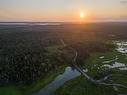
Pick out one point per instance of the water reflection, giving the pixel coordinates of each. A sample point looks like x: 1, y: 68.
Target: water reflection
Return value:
x: 59, y: 81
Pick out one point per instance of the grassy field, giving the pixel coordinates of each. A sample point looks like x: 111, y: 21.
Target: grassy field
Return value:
x: 95, y: 64
x: 11, y: 90
x: 81, y: 86
x: 32, y: 56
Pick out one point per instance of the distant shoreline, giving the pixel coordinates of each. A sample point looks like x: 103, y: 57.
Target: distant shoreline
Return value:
x: 60, y: 23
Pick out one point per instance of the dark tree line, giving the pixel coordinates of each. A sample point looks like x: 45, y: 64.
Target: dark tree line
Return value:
x: 25, y: 58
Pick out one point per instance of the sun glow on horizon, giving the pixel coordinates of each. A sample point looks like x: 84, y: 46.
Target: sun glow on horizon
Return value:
x: 82, y: 15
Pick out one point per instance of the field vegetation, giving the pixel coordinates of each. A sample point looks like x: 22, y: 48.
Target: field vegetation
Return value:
x: 32, y: 56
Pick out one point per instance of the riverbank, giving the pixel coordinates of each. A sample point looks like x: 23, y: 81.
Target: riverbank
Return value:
x: 29, y: 89
x: 81, y: 86
x: 49, y: 89
x: 99, y: 65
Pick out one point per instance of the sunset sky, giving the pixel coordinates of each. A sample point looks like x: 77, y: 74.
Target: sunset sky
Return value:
x: 62, y: 10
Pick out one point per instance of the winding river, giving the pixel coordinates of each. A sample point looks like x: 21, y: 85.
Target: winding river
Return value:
x: 70, y: 74
x: 59, y: 81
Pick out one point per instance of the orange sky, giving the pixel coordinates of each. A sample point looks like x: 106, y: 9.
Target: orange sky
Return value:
x: 61, y: 10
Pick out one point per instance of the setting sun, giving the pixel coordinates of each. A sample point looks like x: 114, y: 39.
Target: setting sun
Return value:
x: 82, y: 15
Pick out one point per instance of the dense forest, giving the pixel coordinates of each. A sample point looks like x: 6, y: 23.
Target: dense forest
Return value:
x: 28, y: 53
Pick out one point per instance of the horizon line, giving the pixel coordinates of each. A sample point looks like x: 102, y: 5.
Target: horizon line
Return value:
x: 91, y: 21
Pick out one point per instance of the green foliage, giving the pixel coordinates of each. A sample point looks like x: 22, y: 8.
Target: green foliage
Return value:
x: 29, y: 54
x: 81, y: 86
x: 9, y: 91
